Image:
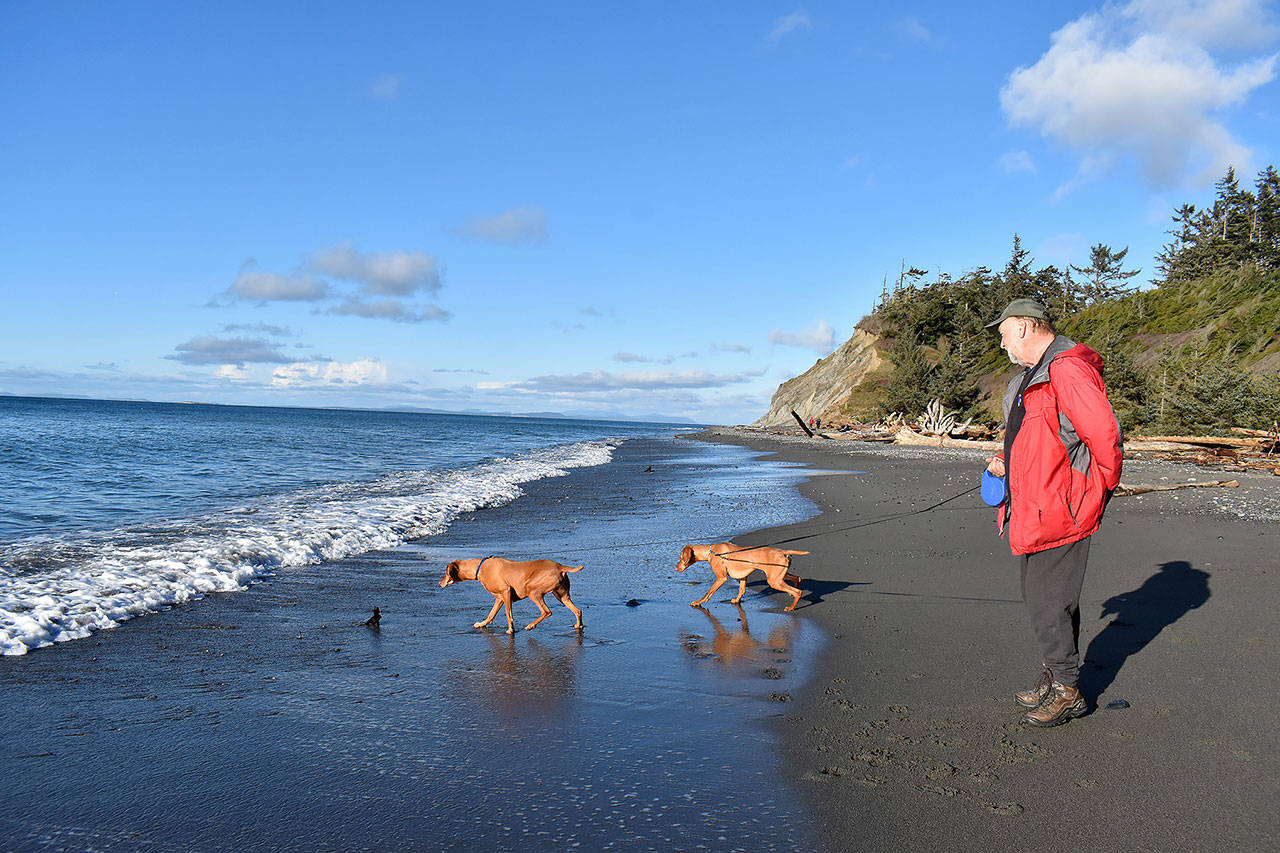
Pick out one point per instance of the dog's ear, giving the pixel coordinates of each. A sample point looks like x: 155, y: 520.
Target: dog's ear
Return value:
x: 686, y: 553
x: 452, y: 570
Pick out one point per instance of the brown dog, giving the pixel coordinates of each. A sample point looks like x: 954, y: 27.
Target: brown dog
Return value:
x: 508, y: 581
x: 731, y: 561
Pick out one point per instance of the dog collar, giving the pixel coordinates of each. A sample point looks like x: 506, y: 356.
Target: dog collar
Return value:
x: 481, y: 563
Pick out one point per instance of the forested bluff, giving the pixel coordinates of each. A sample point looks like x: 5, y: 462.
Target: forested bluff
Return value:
x: 1196, y: 351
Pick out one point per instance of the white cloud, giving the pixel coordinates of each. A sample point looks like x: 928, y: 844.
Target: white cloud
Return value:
x: 253, y: 286
x: 788, y: 24
x: 1018, y: 161
x: 389, y: 309
x: 1229, y: 24
x: 211, y: 350
x: 820, y: 337
x: 232, y: 372
x: 667, y: 359
x: 731, y: 348
x: 382, y: 273
x: 521, y: 225
x: 1138, y: 81
x: 911, y: 28
x: 392, y: 274
x: 261, y: 328
x: 386, y: 87
x: 299, y: 374
x: 601, y: 380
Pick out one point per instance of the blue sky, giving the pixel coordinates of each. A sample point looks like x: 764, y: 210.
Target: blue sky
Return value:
x: 592, y: 208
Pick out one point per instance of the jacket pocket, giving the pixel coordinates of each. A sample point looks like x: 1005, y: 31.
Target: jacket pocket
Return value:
x: 1071, y: 512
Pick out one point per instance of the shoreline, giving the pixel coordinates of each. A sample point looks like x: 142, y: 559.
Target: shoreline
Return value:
x: 907, y: 735
x: 272, y: 718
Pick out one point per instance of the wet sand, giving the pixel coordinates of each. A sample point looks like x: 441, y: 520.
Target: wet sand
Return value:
x: 908, y: 737
x: 273, y: 719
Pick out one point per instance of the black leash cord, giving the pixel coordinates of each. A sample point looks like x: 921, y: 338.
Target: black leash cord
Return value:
x: 833, y: 529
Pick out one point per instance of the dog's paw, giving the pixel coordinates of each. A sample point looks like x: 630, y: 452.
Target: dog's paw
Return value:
x: 511, y: 631
x: 479, y: 624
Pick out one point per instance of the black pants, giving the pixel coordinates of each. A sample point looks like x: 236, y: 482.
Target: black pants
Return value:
x: 1051, y: 582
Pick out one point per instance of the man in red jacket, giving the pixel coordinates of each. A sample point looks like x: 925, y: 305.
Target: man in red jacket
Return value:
x: 1061, y: 460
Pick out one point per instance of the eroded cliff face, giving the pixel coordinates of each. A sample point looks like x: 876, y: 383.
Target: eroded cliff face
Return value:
x: 822, y: 390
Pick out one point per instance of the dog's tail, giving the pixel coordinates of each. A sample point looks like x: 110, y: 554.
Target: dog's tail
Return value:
x: 573, y: 568
x: 795, y: 552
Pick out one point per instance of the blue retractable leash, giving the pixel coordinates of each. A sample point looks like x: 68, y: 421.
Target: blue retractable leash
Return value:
x: 993, y: 492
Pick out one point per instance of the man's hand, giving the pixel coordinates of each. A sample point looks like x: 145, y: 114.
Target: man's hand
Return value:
x: 996, y: 466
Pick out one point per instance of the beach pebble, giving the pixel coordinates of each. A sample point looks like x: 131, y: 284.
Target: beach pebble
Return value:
x: 780, y: 697
x: 1117, y: 704
x: 1006, y: 809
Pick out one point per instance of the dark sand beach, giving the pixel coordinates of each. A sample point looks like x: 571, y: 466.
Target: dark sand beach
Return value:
x: 908, y: 738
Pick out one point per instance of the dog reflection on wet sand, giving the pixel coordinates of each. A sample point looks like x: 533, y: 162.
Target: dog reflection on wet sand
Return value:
x: 521, y: 682
x: 732, y: 647
x: 732, y: 561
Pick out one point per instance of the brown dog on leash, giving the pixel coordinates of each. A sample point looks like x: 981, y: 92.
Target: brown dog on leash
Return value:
x: 731, y: 561
x: 508, y: 581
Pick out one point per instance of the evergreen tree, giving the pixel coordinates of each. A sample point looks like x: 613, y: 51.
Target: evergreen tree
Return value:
x: 1239, y: 228
x: 1104, y: 277
x: 1265, y: 229
x: 908, y: 389
x: 1017, y: 272
x: 1174, y: 262
x: 954, y: 380
x: 1128, y: 387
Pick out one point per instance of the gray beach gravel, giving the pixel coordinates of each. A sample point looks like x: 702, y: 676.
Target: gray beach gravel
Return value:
x: 908, y: 737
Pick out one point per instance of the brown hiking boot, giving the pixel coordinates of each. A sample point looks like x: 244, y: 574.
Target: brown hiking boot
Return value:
x: 1062, y: 704
x: 1033, y: 697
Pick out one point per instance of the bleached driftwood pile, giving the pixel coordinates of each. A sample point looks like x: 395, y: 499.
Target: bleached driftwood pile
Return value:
x: 1249, y: 449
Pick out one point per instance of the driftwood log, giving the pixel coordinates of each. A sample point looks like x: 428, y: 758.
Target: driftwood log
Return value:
x: 1197, y: 440
x: 906, y: 435
x: 1124, y: 489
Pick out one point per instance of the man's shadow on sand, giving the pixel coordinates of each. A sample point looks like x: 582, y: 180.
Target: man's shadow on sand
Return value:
x: 1140, y: 616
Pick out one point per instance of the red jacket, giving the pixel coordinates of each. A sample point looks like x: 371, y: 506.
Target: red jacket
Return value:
x: 1066, y: 455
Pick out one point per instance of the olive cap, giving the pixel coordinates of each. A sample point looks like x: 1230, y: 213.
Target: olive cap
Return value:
x: 1021, y: 308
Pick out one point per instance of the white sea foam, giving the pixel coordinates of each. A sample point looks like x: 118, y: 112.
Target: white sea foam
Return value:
x: 52, y: 590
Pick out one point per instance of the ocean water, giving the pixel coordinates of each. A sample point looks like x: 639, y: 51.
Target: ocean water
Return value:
x: 115, y: 509
x: 189, y: 586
